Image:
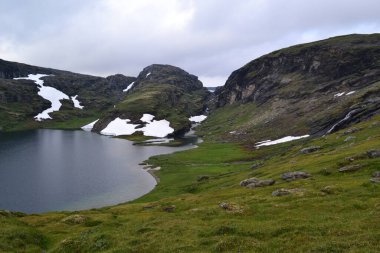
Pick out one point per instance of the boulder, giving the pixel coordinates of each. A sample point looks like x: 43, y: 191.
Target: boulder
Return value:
x: 376, y: 174
x: 310, y: 149
x: 290, y: 176
x: 349, y: 138
x: 230, y: 207
x: 203, y: 178
x: 373, y: 153
x: 351, y: 131
x: 248, y: 181
x: 285, y: 191
x: 350, y: 168
x: 75, y: 219
x: 330, y: 189
x: 169, y: 209
x: 375, y: 180
x: 261, y: 183
x: 256, y: 165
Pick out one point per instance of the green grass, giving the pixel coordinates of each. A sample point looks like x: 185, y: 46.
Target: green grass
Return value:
x: 345, y: 219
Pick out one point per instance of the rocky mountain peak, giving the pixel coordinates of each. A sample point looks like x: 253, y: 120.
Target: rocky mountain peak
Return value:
x: 167, y: 74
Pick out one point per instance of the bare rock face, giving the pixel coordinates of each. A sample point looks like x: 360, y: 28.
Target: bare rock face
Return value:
x: 310, y: 88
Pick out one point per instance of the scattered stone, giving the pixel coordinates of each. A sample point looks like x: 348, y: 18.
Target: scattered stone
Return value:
x: 203, y: 178
x: 329, y: 189
x: 149, y: 207
x: 284, y: 192
x: 261, y: 183
x: 234, y: 208
x: 256, y: 165
x: 75, y: 219
x: 373, y: 153
x: 290, y: 176
x: 309, y: 150
x: 248, y: 181
x: 349, y: 138
x: 351, y: 131
x: 376, y: 174
x: 255, y: 182
x: 350, y: 159
x: 169, y: 209
x: 350, y: 168
x: 325, y: 172
x: 375, y: 180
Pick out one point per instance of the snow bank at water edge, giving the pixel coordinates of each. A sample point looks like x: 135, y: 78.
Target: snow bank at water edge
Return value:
x: 198, y: 119
x: 282, y: 140
x: 89, y: 127
x: 119, y: 127
x: 155, y: 128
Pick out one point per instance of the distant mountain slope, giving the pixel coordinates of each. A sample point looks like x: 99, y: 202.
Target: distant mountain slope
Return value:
x: 19, y: 101
x: 313, y: 88
x: 164, y: 91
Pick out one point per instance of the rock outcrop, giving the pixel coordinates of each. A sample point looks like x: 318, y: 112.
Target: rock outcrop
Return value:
x: 313, y: 88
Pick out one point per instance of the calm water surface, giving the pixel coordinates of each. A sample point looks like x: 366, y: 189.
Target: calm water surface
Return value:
x: 47, y: 170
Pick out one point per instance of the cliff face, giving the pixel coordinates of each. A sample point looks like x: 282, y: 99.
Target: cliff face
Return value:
x: 308, y: 88
x: 165, y: 91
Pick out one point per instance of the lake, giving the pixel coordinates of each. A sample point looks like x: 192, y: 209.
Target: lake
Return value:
x: 50, y: 170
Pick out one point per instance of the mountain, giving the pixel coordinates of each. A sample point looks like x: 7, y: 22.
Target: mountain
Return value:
x: 163, y: 91
x: 309, y: 89
x: 20, y: 103
x: 312, y: 194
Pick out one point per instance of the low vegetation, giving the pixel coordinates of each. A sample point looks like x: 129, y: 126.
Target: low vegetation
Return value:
x: 199, y: 205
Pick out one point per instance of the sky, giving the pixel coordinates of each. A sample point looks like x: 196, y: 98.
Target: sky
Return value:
x: 207, y: 38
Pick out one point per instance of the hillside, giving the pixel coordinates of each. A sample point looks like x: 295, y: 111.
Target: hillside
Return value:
x: 20, y: 103
x: 302, y: 90
x: 164, y: 91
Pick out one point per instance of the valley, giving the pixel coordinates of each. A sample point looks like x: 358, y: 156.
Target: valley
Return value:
x: 290, y: 158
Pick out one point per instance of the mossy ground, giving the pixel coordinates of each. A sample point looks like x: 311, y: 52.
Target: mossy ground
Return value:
x: 343, y: 219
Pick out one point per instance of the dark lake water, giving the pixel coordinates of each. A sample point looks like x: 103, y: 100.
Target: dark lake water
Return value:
x: 48, y: 170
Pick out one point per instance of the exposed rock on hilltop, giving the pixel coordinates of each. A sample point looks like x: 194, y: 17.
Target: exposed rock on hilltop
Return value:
x: 167, y: 92
x: 314, y: 88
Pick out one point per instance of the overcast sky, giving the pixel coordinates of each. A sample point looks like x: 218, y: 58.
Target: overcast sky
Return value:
x: 208, y: 38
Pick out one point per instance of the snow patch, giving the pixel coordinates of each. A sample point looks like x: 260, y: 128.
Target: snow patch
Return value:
x: 89, y: 127
x: 129, y: 87
x: 155, y: 128
x: 76, y: 102
x: 119, y: 127
x: 147, y: 118
x: 198, y: 119
x: 339, y: 94
x: 344, y: 93
x: 148, y: 74
x: 158, y: 128
x: 48, y: 93
x: 282, y: 140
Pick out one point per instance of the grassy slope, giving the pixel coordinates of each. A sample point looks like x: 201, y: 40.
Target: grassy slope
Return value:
x: 346, y: 220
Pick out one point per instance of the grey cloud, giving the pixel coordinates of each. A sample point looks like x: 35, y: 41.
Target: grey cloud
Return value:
x: 209, y: 38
